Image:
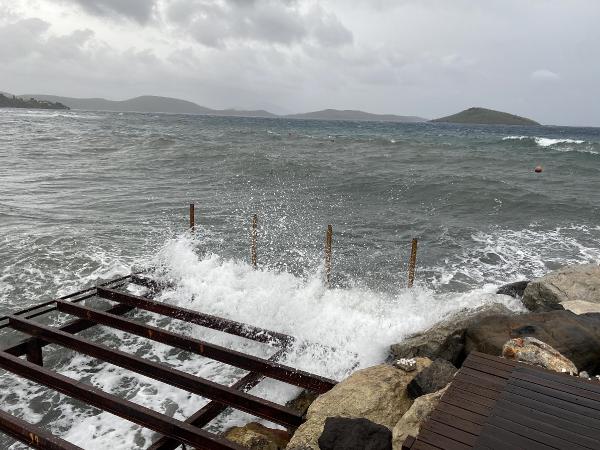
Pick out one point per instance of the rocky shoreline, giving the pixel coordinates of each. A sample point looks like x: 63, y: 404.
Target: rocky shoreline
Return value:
x: 378, y: 407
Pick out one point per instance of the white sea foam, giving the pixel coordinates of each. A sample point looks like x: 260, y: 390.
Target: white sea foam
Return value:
x: 563, y: 145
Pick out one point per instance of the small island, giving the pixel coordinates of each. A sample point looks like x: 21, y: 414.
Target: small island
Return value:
x: 485, y: 116
x: 32, y: 103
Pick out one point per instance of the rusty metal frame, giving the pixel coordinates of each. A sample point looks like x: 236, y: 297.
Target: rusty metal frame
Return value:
x: 173, y: 432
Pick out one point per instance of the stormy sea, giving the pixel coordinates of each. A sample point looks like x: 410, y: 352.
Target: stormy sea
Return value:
x: 90, y: 196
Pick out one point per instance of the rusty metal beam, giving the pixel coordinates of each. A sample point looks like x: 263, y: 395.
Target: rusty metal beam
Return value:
x: 32, y: 435
x: 248, y: 362
x: 197, y: 385
x: 145, y: 417
x: 188, y: 315
x: 211, y: 410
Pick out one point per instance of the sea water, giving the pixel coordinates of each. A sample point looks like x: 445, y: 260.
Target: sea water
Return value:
x: 87, y: 196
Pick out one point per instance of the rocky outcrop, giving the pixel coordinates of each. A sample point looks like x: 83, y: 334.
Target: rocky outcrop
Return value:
x: 446, y: 340
x: 411, y: 421
x: 515, y: 290
x: 302, y: 402
x: 577, y: 337
x: 255, y: 436
x: 432, y: 378
x: 581, y: 307
x: 538, y: 353
x: 580, y: 282
x: 342, y: 433
x: 377, y: 393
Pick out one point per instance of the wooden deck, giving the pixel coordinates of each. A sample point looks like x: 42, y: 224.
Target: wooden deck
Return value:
x: 494, y: 403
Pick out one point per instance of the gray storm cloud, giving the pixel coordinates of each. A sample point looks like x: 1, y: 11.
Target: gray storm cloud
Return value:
x: 427, y: 57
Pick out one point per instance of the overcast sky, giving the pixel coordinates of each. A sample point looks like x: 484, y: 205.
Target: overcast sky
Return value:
x: 537, y: 58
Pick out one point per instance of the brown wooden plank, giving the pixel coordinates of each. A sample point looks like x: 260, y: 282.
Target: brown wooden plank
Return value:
x: 497, y: 363
x: 573, y: 399
x: 420, y: 445
x: 483, y: 375
x: 582, y: 420
x: 564, y: 378
x: 459, y: 394
x: 556, y: 402
x: 495, y: 438
x: 449, y: 431
x: 466, y: 404
x: 497, y: 386
x: 544, y: 423
x: 554, y: 383
x: 475, y: 365
x: 470, y: 387
x: 408, y: 442
x: 461, y: 413
x: 530, y: 433
x: 508, y: 362
x: 440, y: 441
x: 456, y: 422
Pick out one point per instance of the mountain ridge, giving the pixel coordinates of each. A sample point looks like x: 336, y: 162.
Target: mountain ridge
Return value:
x: 160, y: 104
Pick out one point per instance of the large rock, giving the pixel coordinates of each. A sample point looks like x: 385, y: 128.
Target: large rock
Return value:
x: 341, y: 433
x: 536, y: 352
x: 411, y: 421
x: 446, y: 339
x: 577, y: 337
x: 255, y: 436
x: 515, y: 289
x: 580, y: 282
x: 432, y: 378
x: 377, y: 393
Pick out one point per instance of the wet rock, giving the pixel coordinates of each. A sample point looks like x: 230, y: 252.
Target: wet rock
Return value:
x: 411, y: 421
x: 578, y: 282
x: 302, y: 402
x: 342, y: 433
x: 577, y: 337
x: 255, y: 436
x: 536, y: 352
x: 515, y: 290
x: 432, y: 379
x: 446, y: 339
x: 377, y: 393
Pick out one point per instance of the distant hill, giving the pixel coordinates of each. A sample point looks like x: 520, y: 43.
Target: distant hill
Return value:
x: 336, y: 114
x: 148, y: 104
x: 10, y: 101
x: 486, y: 117
x: 156, y: 104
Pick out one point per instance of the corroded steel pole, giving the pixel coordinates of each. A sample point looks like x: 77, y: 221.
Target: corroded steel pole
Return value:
x: 328, y: 254
x: 412, y: 263
x: 254, y: 239
x: 192, y: 218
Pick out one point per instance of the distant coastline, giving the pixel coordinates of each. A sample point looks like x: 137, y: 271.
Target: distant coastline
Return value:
x: 169, y: 105
x: 30, y: 103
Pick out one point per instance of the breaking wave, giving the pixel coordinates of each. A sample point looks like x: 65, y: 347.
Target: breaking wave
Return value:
x: 563, y: 144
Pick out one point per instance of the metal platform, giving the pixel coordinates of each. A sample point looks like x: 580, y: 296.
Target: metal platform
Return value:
x: 174, y: 432
x: 494, y: 403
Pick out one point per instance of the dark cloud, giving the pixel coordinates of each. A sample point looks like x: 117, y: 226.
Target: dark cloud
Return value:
x: 219, y: 23
x: 140, y: 11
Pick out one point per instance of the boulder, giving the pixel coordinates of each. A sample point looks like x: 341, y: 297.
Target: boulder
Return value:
x: 577, y: 337
x: 255, y: 436
x: 411, y: 421
x: 536, y: 352
x: 341, y: 433
x: 432, y: 378
x: 446, y: 339
x: 581, y: 307
x: 579, y: 282
x: 515, y: 290
x: 377, y: 393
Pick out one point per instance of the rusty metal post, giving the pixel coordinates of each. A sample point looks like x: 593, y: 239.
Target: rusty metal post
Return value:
x: 328, y: 252
x: 192, y: 218
x: 254, y: 238
x: 34, y: 352
x: 412, y: 264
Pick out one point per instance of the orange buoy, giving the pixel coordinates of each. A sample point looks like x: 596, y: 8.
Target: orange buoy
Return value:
x: 538, y: 169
